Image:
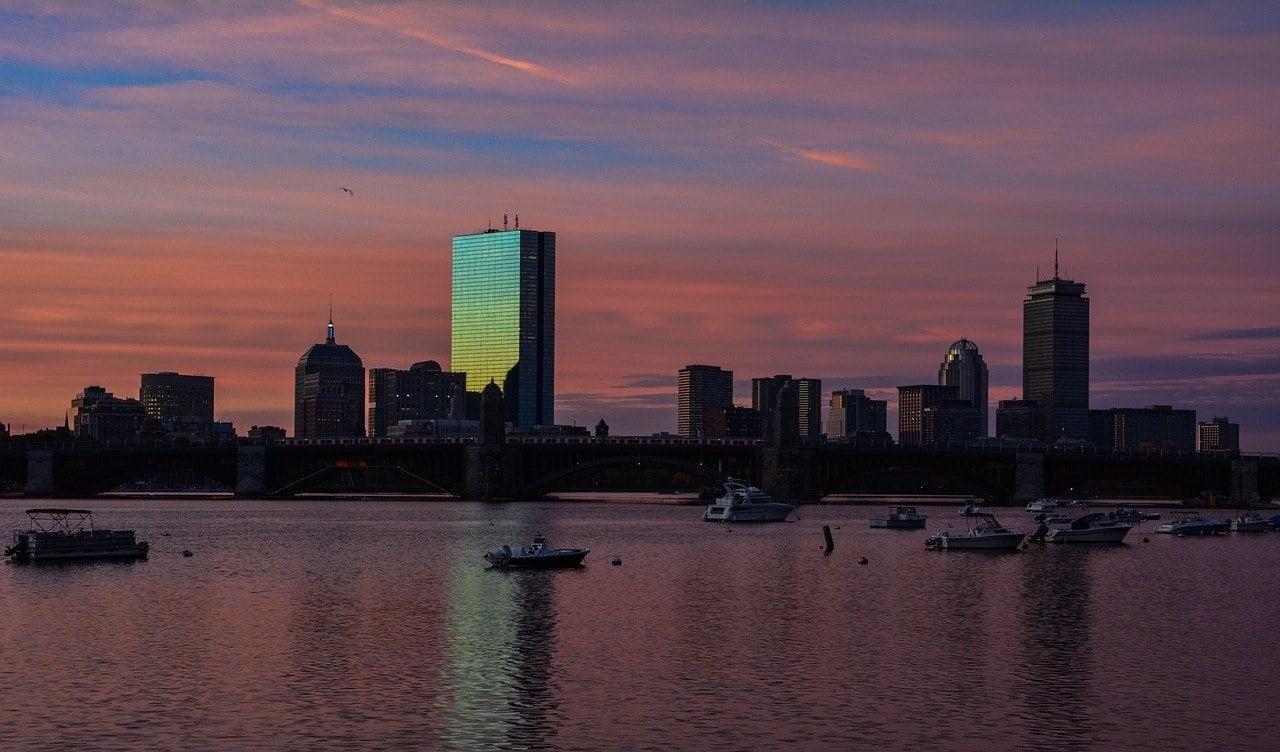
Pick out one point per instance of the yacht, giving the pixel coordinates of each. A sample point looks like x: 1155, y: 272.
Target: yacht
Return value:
x: 985, y: 533
x: 743, y: 503
x: 537, y: 556
x: 59, y: 535
x: 1042, y: 505
x: 1097, y: 527
x: 901, y: 518
x: 1191, y: 523
x: 1130, y: 514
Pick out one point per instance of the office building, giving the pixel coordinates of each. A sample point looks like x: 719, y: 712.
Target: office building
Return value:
x: 764, y: 399
x: 100, y: 415
x: 183, y: 404
x: 1055, y: 355
x: 701, y: 390
x: 930, y: 414
x: 855, y: 418
x: 328, y: 391
x: 1150, y: 428
x: 964, y: 367
x: 734, y: 422
x: 504, y: 302
x: 423, y: 392
x: 1219, y: 435
x: 1021, y: 419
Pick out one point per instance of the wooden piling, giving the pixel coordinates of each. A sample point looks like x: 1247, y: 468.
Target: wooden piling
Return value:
x: 826, y: 533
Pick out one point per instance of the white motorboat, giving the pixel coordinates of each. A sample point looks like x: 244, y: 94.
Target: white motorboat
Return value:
x: 537, y: 556
x: 1250, y: 522
x: 1192, y: 523
x: 901, y: 518
x: 58, y: 535
x: 743, y: 503
x: 1042, y: 505
x: 985, y: 533
x: 970, y: 508
x: 1098, y: 527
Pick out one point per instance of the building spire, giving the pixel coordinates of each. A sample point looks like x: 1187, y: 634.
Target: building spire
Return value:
x: 1055, y: 258
x: 329, y: 339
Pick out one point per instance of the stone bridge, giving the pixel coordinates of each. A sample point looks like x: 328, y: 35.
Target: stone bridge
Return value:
x: 522, y: 469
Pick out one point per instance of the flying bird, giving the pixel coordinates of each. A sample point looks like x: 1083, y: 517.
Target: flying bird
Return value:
x: 348, y: 190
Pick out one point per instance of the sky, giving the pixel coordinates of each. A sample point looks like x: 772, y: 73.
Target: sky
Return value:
x: 830, y: 190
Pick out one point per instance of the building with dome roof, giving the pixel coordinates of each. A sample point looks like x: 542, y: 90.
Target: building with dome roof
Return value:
x: 963, y: 367
x: 328, y: 391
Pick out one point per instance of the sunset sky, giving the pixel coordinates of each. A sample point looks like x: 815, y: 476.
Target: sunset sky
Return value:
x: 835, y: 191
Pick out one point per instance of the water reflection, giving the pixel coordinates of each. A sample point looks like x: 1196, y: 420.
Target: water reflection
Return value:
x: 1058, y: 654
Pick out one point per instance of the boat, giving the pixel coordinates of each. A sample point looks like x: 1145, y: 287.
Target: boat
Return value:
x: 970, y: 508
x: 901, y: 518
x: 1042, y: 505
x: 537, y: 556
x: 1250, y: 522
x: 1098, y: 527
x: 743, y: 503
x: 1131, y: 514
x: 69, y: 535
x: 985, y: 533
x: 1191, y: 523
x: 1054, y: 517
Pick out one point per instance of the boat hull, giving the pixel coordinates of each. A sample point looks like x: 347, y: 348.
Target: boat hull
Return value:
x: 1250, y: 526
x: 900, y: 524
x: 748, y: 513
x: 1208, y: 528
x: 1098, y: 536
x: 552, y: 560
x: 993, y: 542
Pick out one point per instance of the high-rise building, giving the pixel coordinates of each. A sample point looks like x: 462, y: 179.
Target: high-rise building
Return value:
x: 1158, y: 427
x: 853, y: 417
x: 764, y: 399
x: 328, y: 391
x: 1219, y: 435
x: 423, y: 392
x: 931, y: 414
x: 504, y: 326
x: 171, y: 396
x: 99, y: 414
x: 702, y: 390
x: 1055, y: 355
x: 964, y: 367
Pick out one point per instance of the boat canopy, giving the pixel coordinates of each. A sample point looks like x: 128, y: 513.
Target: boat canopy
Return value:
x: 65, y: 520
x: 1086, y: 521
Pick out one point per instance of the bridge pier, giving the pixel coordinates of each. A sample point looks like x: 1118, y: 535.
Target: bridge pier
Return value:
x: 39, y: 473
x: 790, y: 474
x: 491, y: 473
x: 1028, y: 477
x: 1244, y: 480
x: 251, y: 472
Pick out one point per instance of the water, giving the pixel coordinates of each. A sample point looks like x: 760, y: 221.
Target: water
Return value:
x: 374, y: 625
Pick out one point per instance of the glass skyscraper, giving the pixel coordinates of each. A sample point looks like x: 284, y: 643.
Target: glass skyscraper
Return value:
x: 964, y: 367
x: 504, y: 326
x: 1055, y: 355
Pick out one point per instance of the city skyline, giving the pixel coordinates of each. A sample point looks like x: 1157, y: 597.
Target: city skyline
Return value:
x: 822, y: 190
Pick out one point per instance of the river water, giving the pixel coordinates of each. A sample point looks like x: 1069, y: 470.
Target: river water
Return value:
x: 375, y: 625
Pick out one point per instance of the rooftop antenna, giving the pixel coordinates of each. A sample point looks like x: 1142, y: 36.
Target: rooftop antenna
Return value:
x: 517, y: 221
x: 1055, y: 258
x: 329, y: 339
x: 504, y: 221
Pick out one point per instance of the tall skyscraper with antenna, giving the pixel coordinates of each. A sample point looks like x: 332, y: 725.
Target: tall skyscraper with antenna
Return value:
x: 1055, y: 355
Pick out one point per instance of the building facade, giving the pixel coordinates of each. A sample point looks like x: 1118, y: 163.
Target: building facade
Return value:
x: 764, y: 399
x: 328, y: 391
x: 1219, y: 435
x: 930, y: 414
x: 855, y: 418
x: 184, y: 406
x: 1150, y: 428
x: 1055, y: 355
x: 504, y: 293
x: 100, y: 415
x: 963, y: 367
x: 701, y: 391
x: 423, y: 392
